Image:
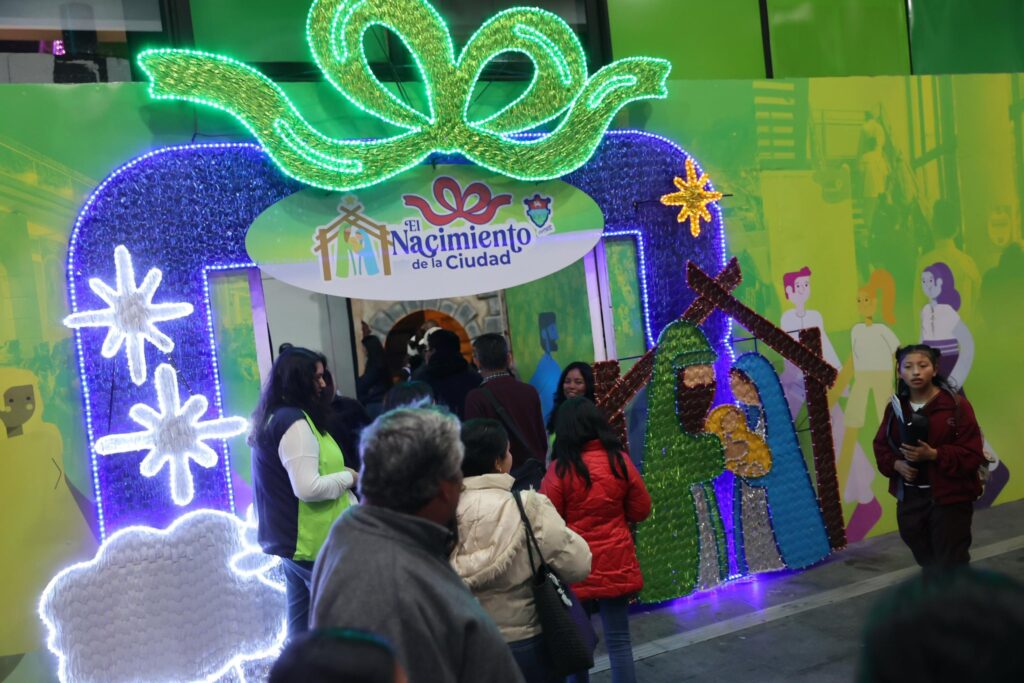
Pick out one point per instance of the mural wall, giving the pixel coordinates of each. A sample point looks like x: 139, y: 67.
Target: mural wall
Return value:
x: 882, y: 188
x: 888, y: 209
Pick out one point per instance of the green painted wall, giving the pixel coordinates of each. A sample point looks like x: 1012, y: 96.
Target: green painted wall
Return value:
x: 715, y: 40
x: 720, y: 39
x: 838, y: 38
x: 967, y: 36
x: 252, y: 30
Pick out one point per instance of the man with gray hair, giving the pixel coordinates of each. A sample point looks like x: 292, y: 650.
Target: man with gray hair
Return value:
x: 385, y: 569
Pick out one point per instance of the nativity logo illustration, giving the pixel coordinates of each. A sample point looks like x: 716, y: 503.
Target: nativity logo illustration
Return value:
x: 454, y: 230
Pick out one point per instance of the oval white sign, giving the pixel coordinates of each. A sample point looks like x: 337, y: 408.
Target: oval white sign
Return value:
x: 433, y: 232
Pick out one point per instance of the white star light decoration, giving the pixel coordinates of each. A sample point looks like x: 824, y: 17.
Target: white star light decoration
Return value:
x: 174, y: 435
x: 132, y: 315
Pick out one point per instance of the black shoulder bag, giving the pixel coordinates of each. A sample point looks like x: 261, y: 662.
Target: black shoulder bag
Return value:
x: 529, y: 474
x: 569, y: 637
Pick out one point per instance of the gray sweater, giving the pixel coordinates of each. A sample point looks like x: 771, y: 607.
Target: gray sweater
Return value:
x: 388, y: 573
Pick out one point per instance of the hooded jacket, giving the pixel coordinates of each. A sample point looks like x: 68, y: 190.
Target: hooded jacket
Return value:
x: 450, y: 378
x: 387, y: 572
x: 602, y: 514
x: 492, y: 557
x: 954, y: 433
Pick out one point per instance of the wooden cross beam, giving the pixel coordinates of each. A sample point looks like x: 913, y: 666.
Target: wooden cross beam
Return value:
x: 775, y: 337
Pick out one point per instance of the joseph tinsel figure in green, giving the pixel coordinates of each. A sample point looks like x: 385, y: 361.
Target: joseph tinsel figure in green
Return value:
x: 680, y: 461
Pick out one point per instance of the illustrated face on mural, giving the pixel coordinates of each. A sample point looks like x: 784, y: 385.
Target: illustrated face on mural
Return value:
x: 574, y: 384
x: 931, y: 285
x: 916, y: 370
x: 800, y: 292
x: 866, y: 304
x: 18, y: 406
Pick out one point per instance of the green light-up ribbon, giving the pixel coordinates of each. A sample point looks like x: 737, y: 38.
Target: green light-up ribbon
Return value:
x: 335, y: 30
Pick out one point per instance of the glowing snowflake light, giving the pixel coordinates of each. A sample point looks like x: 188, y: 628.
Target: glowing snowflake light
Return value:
x: 132, y: 315
x: 174, y: 435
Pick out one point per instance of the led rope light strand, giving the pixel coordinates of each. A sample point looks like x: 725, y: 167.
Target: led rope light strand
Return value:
x: 131, y: 316
x: 335, y: 29
x: 174, y: 436
x: 638, y: 238
x: 251, y: 561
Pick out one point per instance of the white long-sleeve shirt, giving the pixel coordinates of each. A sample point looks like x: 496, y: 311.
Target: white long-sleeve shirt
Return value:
x: 300, y: 455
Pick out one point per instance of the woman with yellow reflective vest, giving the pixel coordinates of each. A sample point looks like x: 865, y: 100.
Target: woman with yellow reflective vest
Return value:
x: 300, y: 481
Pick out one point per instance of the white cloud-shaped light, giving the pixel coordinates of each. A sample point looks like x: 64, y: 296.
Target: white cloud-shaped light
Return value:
x: 131, y: 316
x: 165, y: 606
x: 174, y: 435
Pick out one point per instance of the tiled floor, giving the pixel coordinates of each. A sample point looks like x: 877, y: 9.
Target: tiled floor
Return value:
x: 796, y: 627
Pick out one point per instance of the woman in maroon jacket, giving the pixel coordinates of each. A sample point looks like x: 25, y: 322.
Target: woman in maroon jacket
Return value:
x: 599, y: 493
x: 932, y: 463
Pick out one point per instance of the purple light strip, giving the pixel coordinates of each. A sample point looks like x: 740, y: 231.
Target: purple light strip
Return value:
x: 73, y: 296
x: 716, y: 216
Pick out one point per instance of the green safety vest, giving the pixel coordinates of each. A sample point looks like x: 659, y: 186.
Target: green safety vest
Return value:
x: 315, y: 519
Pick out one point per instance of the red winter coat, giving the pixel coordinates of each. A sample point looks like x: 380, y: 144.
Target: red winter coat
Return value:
x: 601, y: 515
x: 954, y: 433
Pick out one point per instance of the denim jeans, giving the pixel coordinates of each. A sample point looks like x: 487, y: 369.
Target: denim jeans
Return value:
x: 298, y: 575
x: 615, y: 622
x: 532, y: 657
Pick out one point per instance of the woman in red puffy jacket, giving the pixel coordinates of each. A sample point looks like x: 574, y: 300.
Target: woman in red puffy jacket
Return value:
x: 599, y: 493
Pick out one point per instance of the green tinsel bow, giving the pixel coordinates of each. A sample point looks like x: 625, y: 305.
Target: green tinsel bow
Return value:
x: 335, y: 30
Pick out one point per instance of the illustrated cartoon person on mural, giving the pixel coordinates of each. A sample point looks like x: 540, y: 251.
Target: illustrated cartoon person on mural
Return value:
x: 797, y: 285
x: 867, y: 373
x: 33, y: 482
x: 545, y: 378
x: 942, y: 328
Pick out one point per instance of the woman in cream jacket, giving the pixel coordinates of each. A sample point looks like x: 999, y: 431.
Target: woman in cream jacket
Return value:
x: 491, y: 555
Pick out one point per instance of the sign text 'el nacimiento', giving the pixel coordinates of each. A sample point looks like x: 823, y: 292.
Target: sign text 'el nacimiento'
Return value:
x: 435, y: 232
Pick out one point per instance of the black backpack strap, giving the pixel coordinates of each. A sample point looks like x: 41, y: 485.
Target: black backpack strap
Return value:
x: 506, y: 419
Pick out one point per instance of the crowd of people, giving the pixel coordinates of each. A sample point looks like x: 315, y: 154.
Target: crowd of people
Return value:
x: 428, y: 574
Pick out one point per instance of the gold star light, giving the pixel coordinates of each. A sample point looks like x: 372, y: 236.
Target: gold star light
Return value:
x: 692, y: 197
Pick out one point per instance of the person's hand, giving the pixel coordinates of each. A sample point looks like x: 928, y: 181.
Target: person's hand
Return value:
x: 919, y: 453
x: 908, y: 472
x: 355, y: 475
